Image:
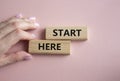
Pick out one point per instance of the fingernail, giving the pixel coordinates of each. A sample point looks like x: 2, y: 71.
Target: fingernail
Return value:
x: 36, y: 24
x: 28, y: 57
x: 32, y: 18
x: 19, y: 15
x: 33, y: 35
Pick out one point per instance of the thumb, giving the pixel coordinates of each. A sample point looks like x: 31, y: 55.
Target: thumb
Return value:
x: 14, y: 57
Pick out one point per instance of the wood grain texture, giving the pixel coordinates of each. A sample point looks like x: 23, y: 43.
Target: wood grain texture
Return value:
x: 50, y: 47
x: 69, y: 33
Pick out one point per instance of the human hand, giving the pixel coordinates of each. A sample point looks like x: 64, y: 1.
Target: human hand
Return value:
x: 11, y: 32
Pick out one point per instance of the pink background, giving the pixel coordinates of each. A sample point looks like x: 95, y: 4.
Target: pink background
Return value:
x: 97, y: 59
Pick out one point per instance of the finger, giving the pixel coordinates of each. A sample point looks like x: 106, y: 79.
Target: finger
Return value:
x: 8, y: 41
x: 27, y: 23
x: 17, y: 25
x: 14, y: 57
x: 5, y: 30
x: 29, y: 19
x: 4, y: 23
x: 22, y: 23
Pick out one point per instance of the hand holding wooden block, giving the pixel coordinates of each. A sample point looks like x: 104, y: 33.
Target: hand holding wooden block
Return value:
x: 49, y: 47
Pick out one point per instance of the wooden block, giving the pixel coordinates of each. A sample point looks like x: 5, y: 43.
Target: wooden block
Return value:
x: 49, y: 47
x: 70, y: 33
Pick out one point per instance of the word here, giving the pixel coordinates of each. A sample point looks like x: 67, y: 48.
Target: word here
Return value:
x: 49, y: 47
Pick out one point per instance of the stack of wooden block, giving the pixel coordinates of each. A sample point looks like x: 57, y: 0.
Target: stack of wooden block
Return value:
x: 58, y: 40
